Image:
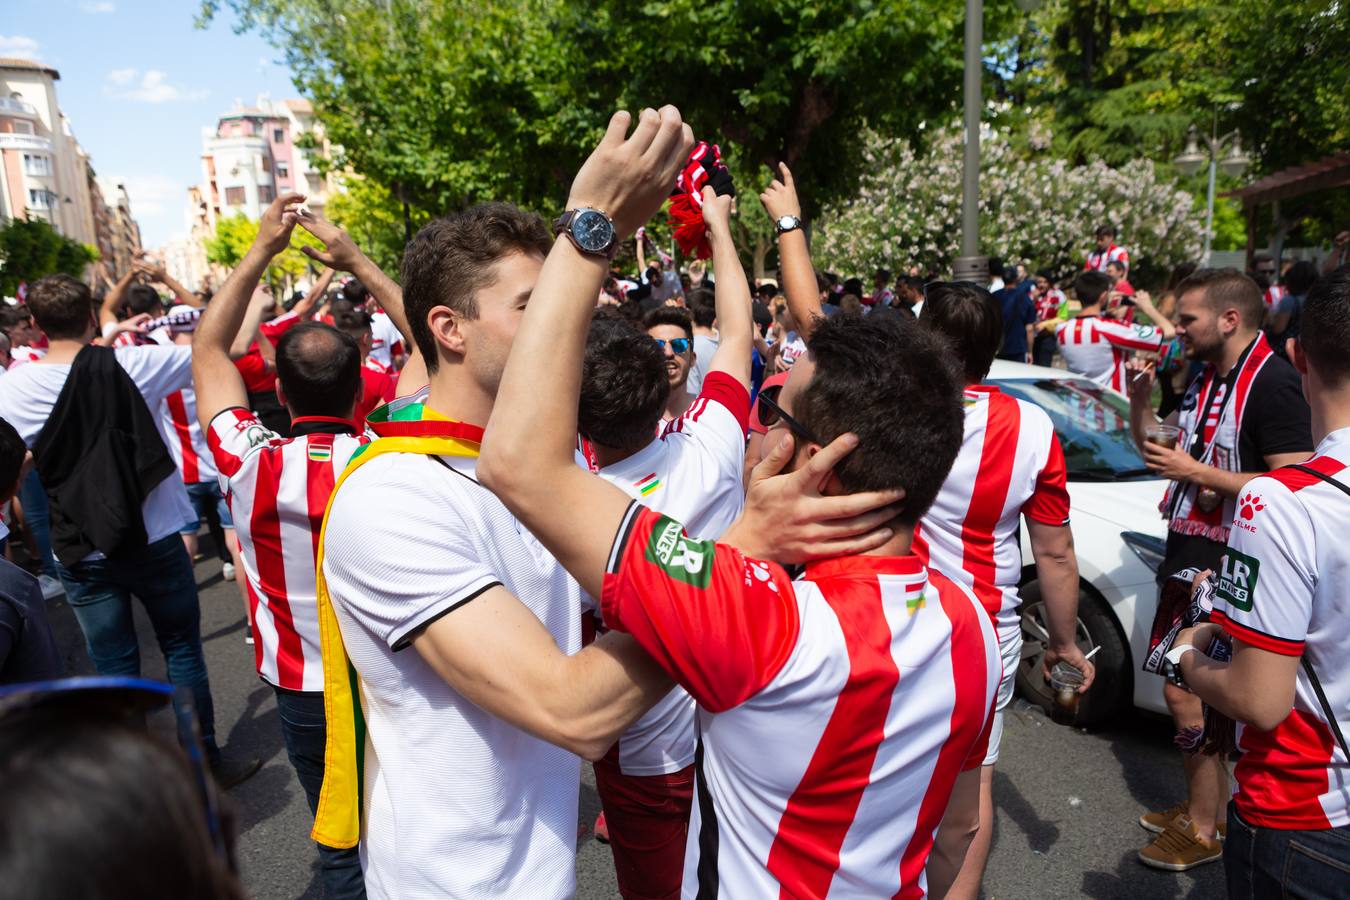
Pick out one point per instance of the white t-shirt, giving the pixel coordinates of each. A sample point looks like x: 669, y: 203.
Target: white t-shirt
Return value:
x: 457, y: 802
x: 704, y: 349
x: 31, y: 390
x: 385, y: 340
x: 693, y: 474
x: 1282, y: 589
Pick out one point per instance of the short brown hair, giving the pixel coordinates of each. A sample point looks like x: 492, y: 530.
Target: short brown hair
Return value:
x: 970, y: 319
x: 62, y: 307
x: 451, y: 258
x: 1227, y: 289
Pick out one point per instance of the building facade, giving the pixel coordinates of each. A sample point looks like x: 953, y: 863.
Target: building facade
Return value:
x: 45, y: 173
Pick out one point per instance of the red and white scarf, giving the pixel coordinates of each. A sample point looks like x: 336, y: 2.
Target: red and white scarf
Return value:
x: 1215, y: 420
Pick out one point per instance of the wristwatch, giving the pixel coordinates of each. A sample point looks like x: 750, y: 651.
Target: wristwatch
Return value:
x: 1172, y: 664
x: 784, y: 224
x: 590, y: 230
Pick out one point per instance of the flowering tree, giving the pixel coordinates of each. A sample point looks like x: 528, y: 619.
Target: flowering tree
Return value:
x: 907, y: 210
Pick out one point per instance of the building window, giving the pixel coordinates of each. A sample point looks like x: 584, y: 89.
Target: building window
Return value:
x: 283, y: 170
x: 21, y: 126
x: 266, y: 194
x: 37, y: 198
x: 34, y: 164
x: 278, y: 135
x: 234, y: 196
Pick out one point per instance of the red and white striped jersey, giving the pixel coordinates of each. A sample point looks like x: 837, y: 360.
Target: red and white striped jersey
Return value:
x: 1097, y: 259
x: 1049, y: 304
x: 1282, y: 589
x: 1098, y: 348
x: 1273, y: 295
x: 278, y: 489
x: 1010, y: 465
x: 835, y: 713
x: 694, y: 474
x: 386, y: 341
x: 183, y: 436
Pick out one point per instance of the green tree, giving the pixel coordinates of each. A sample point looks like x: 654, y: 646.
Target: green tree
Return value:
x: 235, y: 233
x: 31, y: 249
x: 444, y: 103
x: 374, y: 218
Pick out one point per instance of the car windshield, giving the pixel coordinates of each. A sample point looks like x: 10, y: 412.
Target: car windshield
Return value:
x: 1093, y: 425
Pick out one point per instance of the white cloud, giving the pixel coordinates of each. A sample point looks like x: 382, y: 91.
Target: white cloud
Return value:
x: 154, y: 195
x: 20, y: 46
x: 100, y: 7
x: 154, y: 87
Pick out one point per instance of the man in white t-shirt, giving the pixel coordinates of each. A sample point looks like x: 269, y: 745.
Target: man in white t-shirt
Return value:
x: 157, y: 572
x: 1282, y: 601
x: 692, y: 473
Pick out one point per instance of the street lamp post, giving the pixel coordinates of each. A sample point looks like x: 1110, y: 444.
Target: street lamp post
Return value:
x: 971, y: 266
x: 1192, y: 158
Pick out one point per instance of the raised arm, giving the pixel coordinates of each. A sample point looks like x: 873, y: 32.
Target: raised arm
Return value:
x: 157, y: 272
x: 528, y: 456
x: 794, y: 256
x: 112, y: 302
x: 341, y: 253
x: 315, y: 293
x: 218, y: 383
x: 735, y: 325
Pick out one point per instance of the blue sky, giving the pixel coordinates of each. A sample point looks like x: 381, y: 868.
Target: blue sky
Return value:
x: 139, y: 82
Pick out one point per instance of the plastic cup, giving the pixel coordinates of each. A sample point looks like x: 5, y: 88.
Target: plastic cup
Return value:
x: 1065, y: 680
x: 1163, y: 435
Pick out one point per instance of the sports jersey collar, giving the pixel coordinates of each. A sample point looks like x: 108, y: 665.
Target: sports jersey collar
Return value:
x: 636, y: 467
x: 983, y: 389
x: 304, y: 425
x: 856, y: 566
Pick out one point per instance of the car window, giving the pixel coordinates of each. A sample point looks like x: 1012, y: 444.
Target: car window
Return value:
x: 1092, y: 423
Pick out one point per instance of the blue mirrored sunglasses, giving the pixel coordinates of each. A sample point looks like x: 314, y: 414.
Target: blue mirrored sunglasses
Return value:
x: 677, y: 345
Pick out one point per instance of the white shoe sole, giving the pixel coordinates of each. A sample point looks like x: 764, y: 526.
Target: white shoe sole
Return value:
x: 1177, y: 867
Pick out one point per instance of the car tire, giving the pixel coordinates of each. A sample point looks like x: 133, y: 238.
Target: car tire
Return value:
x: 1113, y: 687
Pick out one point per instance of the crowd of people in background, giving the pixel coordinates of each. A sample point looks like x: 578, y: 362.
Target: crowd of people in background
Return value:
x: 751, y: 549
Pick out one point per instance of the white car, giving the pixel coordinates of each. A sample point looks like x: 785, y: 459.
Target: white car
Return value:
x: 1119, y: 537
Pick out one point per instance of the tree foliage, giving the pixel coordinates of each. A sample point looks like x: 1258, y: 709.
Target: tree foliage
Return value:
x: 31, y: 249
x: 235, y: 233
x: 443, y: 104
x: 1033, y: 207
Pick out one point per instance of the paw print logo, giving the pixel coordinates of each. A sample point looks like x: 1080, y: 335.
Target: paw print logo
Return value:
x: 1251, y: 505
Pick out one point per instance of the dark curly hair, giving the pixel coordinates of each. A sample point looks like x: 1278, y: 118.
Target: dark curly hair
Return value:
x: 623, y: 386
x: 892, y: 383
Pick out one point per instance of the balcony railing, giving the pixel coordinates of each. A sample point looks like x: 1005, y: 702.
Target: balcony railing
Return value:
x: 15, y: 106
x: 25, y: 142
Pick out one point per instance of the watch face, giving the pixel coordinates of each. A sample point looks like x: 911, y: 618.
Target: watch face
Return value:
x: 786, y: 222
x: 593, y: 231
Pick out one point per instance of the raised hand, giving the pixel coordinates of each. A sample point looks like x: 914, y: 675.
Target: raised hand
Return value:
x: 780, y: 197
x: 628, y: 178
x: 717, y: 213
x: 339, y: 250
x: 277, y: 223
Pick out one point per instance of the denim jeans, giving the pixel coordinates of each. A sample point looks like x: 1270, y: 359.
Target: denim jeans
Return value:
x: 305, y: 731
x: 160, y: 576
x: 1271, y: 862
x: 37, y: 518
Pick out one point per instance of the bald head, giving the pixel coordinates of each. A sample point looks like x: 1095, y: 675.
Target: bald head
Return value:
x: 319, y: 369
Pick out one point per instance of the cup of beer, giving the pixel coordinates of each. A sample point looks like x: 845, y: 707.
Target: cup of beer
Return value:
x: 1163, y: 435
x: 1065, y: 680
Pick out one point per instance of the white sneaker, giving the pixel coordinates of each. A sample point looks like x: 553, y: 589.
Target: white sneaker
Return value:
x: 227, y: 571
x: 51, y: 587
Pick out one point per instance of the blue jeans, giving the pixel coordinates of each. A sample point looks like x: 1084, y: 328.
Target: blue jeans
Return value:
x: 305, y: 731
x: 160, y: 576
x: 37, y: 518
x: 1271, y: 862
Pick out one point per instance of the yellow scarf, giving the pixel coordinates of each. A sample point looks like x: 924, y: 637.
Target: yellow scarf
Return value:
x: 401, y: 428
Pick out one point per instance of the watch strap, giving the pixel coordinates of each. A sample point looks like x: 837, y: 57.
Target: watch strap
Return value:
x: 563, y: 225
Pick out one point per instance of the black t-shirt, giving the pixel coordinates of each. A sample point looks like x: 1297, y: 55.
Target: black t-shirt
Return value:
x: 1277, y: 420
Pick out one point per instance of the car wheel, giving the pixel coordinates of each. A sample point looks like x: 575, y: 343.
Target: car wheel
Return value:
x: 1114, y: 685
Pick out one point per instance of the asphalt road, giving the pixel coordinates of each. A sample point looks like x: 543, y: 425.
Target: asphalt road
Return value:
x: 1067, y: 801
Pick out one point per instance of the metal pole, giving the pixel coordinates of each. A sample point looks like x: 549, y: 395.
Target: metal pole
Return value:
x: 971, y: 266
x: 1209, y: 207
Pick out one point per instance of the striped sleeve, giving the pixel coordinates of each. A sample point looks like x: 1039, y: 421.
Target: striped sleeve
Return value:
x: 1130, y: 337
x: 1267, y: 576
x: 234, y: 434
x: 720, y: 624
x: 1049, y: 501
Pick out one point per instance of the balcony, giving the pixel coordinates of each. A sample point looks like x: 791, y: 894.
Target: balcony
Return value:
x: 25, y: 142
x: 13, y: 106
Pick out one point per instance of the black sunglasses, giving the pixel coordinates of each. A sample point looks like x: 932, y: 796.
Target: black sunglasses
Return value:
x: 770, y: 413
x: 677, y: 345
